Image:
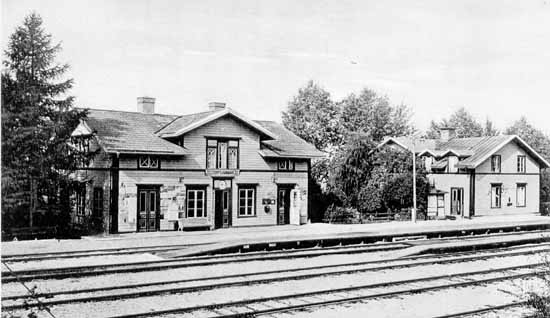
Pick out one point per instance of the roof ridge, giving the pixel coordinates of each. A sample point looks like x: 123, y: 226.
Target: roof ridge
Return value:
x: 127, y: 111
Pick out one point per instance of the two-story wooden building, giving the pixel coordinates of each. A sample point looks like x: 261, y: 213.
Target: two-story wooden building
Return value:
x: 478, y: 176
x: 212, y: 169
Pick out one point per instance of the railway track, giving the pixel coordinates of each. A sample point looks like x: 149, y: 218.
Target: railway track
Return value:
x: 214, y: 282
x: 466, y: 235
x: 88, y: 253
x: 300, y: 301
x: 92, y: 270
x: 485, y: 310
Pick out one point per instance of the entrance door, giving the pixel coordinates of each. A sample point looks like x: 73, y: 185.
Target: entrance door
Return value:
x: 457, y: 201
x: 222, y: 207
x: 283, y: 204
x: 148, y: 215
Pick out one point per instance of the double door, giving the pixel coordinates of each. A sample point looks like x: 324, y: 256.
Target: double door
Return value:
x: 148, y: 214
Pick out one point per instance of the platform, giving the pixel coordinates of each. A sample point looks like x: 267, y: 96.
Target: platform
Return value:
x: 201, y: 241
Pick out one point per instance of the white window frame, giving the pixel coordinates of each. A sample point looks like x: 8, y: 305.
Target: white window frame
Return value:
x: 494, y: 166
x: 285, y: 165
x: 193, y: 206
x: 496, y: 196
x: 522, y: 164
x: 246, y: 193
x: 148, y: 162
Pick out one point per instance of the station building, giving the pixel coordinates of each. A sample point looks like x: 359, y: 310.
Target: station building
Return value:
x: 496, y: 175
x: 212, y: 169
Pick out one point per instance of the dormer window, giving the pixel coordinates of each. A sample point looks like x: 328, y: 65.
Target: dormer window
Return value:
x: 82, y: 144
x: 148, y: 162
x: 452, y: 162
x: 222, y: 154
x: 495, y: 163
x: 285, y: 165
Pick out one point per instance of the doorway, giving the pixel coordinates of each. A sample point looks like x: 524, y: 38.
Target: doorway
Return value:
x: 222, y: 203
x: 457, y: 201
x: 148, y: 214
x: 283, y: 203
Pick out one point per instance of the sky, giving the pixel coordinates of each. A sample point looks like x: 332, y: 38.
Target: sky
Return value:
x: 492, y: 57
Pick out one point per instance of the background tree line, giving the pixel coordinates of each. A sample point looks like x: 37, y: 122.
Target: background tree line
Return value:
x: 354, y: 172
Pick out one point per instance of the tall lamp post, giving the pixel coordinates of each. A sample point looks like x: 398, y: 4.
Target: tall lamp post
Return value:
x: 413, y: 212
x: 413, y: 150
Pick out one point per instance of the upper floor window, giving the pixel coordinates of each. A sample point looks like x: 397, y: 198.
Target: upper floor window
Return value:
x: 82, y: 143
x: 285, y: 165
x: 222, y: 154
x: 452, y: 161
x: 495, y: 163
x: 148, y: 162
x: 521, y: 164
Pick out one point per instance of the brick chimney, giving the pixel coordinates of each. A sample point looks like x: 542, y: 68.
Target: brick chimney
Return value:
x: 214, y: 106
x: 146, y: 105
x: 447, y: 133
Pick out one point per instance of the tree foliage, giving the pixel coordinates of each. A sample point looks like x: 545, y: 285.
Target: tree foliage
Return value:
x: 465, y: 123
x: 313, y: 116
x: 372, y: 179
x: 37, y: 120
x: 331, y: 126
x: 373, y: 115
x: 539, y: 141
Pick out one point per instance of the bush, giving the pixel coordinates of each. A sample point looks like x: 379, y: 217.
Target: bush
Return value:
x: 338, y: 214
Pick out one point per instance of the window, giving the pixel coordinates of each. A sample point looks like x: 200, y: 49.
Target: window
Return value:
x: 222, y: 154
x: 521, y: 164
x: 82, y: 143
x: 520, y: 194
x: 247, y: 201
x: 495, y: 163
x: 97, y: 204
x: 452, y: 161
x: 81, y: 199
x: 148, y: 162
x: 285, y: 165
x: 496, y: 194
x: 196, y: 202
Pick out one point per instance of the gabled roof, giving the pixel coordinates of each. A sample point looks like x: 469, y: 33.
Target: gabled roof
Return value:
x: 187, y: 123
x: 139, y: 133
x: 475, y: 150
x: 131, y: 132
x: 487, y: 147
x: 286, y: 144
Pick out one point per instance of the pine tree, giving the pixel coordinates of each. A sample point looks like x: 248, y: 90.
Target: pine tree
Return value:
x: 37, y: 120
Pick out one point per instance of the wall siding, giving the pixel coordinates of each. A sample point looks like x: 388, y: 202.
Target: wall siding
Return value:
x: 173, y: 184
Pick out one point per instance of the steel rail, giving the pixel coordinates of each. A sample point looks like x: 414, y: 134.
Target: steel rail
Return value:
x: 88, y: 270
x: 131, y: 268
x: 484, y: 310
x: 251, y: 281
x: 242, y: 303
x: 144, y: 249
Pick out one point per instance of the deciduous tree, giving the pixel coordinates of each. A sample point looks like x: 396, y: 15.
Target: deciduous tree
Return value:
x: 464, y: 122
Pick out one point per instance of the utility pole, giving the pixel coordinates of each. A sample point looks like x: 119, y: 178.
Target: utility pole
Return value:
x: 413, y: 150
x: 413, y: 214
